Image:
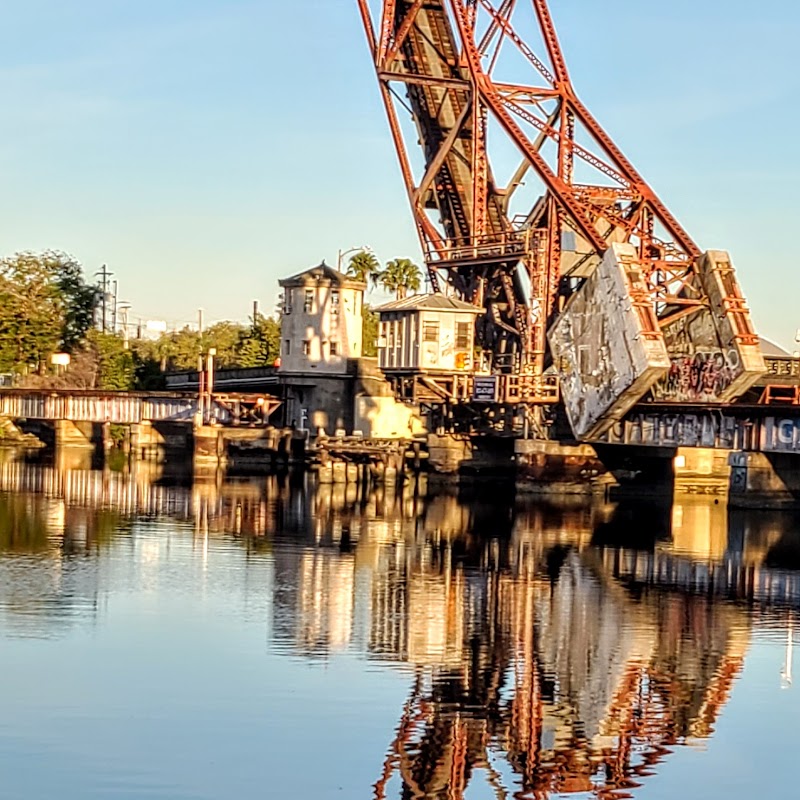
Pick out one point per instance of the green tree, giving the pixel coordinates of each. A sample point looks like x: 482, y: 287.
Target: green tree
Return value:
x: 260, y: 344
x: 80, y: 299
x: 176, y: 350
x: 364, y: 267
x: 401, y: 276
x: 45, y: 306
x: 115, y: 364
x: 224, y: 337
x: 369, y: 332
x: 149, y: 376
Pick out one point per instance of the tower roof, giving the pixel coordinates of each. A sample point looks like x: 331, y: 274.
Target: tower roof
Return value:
x: 429, y: 302
x: 322, y: 275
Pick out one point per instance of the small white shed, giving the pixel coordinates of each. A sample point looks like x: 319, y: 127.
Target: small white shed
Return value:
x: 427, y: 332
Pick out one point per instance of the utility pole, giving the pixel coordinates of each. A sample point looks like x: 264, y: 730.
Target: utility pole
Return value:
x: 114, y: 308
x: 104, y: 276
x: 124, y: 308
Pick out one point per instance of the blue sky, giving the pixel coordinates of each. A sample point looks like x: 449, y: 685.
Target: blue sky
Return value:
x: 203, y: 148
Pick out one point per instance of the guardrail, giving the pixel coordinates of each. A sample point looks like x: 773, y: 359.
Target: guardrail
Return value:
x: 130, y: 408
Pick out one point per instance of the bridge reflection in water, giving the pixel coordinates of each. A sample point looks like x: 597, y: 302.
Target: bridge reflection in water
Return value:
x: 549, y: 648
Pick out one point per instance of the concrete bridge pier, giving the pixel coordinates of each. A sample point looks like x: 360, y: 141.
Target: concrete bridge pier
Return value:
x: 701, y: 470
x: 463, y: 457
x: 764, y: 480
x: 146, y: 442
x: 547, y: 467
x: 209, y: 446
x: 71, y: 434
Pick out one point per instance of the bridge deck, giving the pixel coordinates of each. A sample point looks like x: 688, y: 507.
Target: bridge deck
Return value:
x: 125, y: 408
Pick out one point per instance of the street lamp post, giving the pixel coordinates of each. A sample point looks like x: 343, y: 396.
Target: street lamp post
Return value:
x: 124, y: 307
x: 342, y: 253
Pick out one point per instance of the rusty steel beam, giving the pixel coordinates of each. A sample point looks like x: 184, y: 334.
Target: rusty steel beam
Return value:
x: 447, y: 56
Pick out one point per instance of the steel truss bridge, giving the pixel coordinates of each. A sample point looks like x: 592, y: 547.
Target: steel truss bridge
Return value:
x: 593, y: 295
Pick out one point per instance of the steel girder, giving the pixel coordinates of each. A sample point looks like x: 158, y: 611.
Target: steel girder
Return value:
x: 445, y: 62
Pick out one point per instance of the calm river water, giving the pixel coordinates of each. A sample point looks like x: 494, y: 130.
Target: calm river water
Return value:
x: 268, y: 639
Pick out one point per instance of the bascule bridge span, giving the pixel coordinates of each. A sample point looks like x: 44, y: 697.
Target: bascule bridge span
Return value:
x: 600, y: 319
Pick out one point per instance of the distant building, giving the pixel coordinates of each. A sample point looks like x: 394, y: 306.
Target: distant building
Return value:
x: 427, y: 332
x: 321, y: 321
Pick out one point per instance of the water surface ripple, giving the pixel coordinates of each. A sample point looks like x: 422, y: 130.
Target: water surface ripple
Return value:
x: 268, y: 638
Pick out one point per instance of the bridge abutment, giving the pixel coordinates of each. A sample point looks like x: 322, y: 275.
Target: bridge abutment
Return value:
x: 701, y: 470
x: 461, y: 457
x: 764, y: 480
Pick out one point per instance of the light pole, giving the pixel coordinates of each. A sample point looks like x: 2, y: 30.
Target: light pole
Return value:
x: 104, y: 276
x: 124, y: 307
x: 342, y: 253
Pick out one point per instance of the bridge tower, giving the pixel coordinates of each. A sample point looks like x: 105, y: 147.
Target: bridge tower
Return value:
x: 520, y: 192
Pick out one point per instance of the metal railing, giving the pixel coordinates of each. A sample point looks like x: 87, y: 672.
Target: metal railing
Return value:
x: 488, y: 246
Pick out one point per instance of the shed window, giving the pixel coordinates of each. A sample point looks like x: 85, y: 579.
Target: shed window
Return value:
x: 462, y: 335
x: 430, y: 332
x: 308, y: 302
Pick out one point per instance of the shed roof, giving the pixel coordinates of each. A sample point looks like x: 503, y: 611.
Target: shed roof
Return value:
x: 429, y: 302
x: 322, y: 274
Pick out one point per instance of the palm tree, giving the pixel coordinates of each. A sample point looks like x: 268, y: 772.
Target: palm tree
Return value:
x: 400, y: 276
x: 364, y: 266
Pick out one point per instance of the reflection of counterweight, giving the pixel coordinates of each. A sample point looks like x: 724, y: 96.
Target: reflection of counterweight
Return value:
x: 566, y: 677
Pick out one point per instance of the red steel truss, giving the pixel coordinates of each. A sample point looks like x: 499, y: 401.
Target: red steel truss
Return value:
x: 449, y: 64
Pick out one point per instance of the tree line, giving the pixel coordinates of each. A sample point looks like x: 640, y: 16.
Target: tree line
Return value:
x: 48, y: 307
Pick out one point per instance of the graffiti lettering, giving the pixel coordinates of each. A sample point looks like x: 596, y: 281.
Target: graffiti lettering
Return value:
x: 701, y: 377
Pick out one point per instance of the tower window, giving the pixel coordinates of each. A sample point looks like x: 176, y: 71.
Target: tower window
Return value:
x: 308, y: 301
x: 462, y: 335
x: 430, y: 332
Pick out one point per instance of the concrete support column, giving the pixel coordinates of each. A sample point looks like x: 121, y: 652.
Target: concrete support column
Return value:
x: 73, y: 434
x: 764, y: 480
x: 448, y: 453
x: 209, y: 446
x: 701, y: 470
x: 146, y: 442
x: 108, y: 442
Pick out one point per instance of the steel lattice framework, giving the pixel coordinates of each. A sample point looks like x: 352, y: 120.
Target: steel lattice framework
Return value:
x: 446, y: 63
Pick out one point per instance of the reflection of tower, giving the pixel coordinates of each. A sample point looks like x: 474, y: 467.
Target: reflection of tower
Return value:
x: 313, y: 599
x: 786, y: 672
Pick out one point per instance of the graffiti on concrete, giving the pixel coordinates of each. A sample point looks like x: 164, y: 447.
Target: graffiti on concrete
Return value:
x: 703, y: 429
x: 725, y: 431
x: 780, y: 435
x: 700, y: 377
